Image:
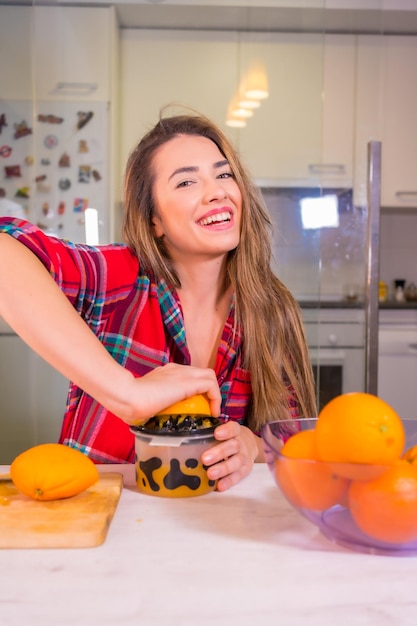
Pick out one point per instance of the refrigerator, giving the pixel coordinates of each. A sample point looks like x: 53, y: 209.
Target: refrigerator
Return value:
x: 55, y: 164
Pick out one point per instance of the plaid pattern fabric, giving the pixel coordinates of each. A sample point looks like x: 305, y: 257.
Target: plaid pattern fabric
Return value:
x: 139, y: 321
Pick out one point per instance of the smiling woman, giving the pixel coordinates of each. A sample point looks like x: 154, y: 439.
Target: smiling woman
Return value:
x: 188, y: 305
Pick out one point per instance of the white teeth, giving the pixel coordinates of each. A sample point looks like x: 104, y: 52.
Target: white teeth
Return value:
x: 219, y: 217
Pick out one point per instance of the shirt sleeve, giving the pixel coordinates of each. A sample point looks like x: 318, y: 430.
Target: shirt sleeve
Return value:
x: 90, y: 277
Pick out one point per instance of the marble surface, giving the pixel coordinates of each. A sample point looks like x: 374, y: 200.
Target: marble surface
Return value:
x: 243, y: 557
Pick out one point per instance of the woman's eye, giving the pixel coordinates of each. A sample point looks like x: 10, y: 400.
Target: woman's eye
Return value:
x: 184, y: 183
x: 226, y: 175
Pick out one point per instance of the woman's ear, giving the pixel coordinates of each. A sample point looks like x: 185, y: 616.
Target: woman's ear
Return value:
x: 157, y: 229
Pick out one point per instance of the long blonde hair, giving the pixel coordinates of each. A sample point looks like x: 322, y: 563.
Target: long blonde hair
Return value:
x: 275, y: 350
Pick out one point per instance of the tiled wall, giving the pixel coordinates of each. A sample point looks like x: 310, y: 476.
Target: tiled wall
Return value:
x: 327, y: 263
x: 398, y: 258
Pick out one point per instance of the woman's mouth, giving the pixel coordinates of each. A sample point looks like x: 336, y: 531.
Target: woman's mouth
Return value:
x: 216, y: 218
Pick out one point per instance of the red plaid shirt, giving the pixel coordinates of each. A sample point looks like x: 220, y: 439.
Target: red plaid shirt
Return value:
x: 139, y: 321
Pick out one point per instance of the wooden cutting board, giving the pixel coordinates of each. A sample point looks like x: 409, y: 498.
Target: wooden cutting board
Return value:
x: 78, y: 522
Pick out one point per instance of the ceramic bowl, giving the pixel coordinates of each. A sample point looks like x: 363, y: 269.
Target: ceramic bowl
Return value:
x: 168, y: 456
x: 334, y: 519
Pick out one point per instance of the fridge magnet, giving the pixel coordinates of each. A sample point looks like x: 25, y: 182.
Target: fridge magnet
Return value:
x: 42, y: 188
x: 5, y: 151
x: 83, y: 118
x: 45, y: 208
x: 3, y: 122
x: 61, y: 208
x: 65, y: 160
x: 45, y: 162
x: 12, y: 171
x: 29, y: 160
x: 40, y: 178
x: 50, y: 141
x: 50, y: 119
x: 96, y: 175
x: 64, y: 184
x: 83, y: 146
x: 84, y: 172
x: 21, y: 130
x: 80, y: 205
x: 22, y: 192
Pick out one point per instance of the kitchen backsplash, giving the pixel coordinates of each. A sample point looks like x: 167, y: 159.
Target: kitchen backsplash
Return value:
x: 329, y: 263
x: 398, y: 258
x: 319, y: 263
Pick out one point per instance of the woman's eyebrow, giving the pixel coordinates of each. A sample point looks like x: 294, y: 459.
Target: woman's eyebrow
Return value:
x: 194, y: 168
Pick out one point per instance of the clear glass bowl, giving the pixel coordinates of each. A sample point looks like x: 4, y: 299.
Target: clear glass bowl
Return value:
x: 334, y: 520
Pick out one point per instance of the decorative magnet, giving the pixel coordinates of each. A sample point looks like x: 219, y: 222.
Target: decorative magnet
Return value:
x: 3, y: 122
x: 96, y: 175
x: 40, y: 178
x: 42, y: 188
x: 83, y: 118
x: 61, y: 208
x: 65, y: 160
x: 45, y: 162
x: 21, y: 130
x: 80, y: 205
x: 84, y: 172
x: 45, y: 208
x: 5, y: 151
x: 12, y: 171
x: 29, y: 160
x: 83, y: 146
x: 22, y: 192
x: 64, y: 184
x: 50, y: 119
x: 50, y: 141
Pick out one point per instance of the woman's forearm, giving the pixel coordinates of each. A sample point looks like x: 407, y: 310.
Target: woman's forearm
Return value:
x: 38, y: 311
x: 35, y: 307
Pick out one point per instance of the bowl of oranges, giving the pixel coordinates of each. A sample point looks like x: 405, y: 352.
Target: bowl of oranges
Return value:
x: 352, y: 471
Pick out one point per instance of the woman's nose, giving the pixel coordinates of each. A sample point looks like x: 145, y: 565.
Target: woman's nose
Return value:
x: 214, y: 190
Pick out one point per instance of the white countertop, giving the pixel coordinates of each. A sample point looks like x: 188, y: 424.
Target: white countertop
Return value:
x: 239, y: 558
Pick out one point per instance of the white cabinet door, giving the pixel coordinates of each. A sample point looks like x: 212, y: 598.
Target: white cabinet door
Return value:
x: 15, y: 53
x: 386, y: 105
x: 32, y: 399
x: 43, y: 47
x: 72, y: 53
x: 303, y: 133
x: 399, y: 130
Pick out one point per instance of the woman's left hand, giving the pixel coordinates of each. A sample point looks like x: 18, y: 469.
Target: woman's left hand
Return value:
x: 233, y: 457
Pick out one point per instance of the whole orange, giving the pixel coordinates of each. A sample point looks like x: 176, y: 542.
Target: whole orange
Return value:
x: 359, y: 428
x: 195, y: 405
x: 306, y: 482
x: 386, y: 508
x: 410, y: 455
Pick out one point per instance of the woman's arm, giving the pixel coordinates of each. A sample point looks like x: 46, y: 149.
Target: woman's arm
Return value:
x: 39, y: 312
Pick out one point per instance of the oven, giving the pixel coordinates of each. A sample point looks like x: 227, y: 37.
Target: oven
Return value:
x: 336, y: 341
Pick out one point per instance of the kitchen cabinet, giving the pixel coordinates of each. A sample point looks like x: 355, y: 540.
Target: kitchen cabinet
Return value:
x: 386, y: 105
x: 15, y: 42
x: 399, y: 102
x: 72, y: 53
x: 57, y: 53
x: 303, y: 132
x: 397, y: 361
x: 32, y: 398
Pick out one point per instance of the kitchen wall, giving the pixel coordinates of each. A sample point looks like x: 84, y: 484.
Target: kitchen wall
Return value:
x: 398, y: 253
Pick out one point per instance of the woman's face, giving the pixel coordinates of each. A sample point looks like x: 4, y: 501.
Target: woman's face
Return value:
x: 198, y: 204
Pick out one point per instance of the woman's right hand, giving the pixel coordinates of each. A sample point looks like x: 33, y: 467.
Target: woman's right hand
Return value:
x: 165, y: 385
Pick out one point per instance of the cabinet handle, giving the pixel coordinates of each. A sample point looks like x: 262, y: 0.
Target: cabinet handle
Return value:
x: 406, y: 195
x: 327, y: 168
